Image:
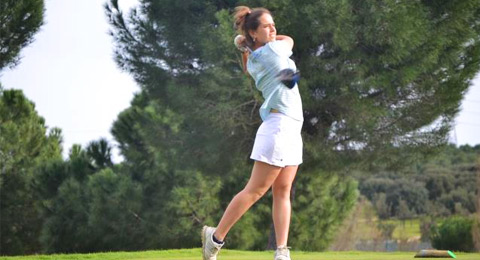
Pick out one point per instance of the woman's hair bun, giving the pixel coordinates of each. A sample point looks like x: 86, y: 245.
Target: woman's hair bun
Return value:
x: 240, y: 16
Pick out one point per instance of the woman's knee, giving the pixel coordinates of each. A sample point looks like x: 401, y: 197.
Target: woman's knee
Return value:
x: 255, y: 194
x: 281, y: 191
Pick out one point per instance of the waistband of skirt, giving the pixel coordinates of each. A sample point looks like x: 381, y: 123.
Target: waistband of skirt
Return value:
x: 282, y: 115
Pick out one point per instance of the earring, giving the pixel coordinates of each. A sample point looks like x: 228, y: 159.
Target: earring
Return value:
x: 254, y: 39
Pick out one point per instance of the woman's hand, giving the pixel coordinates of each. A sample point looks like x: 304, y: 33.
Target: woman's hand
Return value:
x: 240, y: 43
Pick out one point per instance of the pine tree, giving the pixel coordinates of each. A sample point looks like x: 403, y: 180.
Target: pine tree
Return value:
x: 84, y: 202
x: 381, y: 84
x: 20, y: 20
x: 24, y: 144
x: 23, y: 138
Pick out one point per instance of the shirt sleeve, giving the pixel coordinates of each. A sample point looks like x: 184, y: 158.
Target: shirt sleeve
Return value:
x: 281, y: 48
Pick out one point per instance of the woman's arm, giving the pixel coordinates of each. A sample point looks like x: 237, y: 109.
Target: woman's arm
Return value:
x: 287, y: 39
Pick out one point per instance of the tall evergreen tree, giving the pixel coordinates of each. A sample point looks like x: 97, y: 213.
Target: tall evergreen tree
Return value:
x: 20, y: 20
x: 85, y: 210
x: 23, y: 138
x: 382, y: 82
x: 24, y: 144
x: 101, y: 153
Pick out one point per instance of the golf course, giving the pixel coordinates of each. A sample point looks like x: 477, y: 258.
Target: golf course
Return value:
x: 195, y: 253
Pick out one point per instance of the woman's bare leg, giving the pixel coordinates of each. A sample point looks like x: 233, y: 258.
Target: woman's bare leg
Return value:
x: 262, y: 177
x: 282, y: 208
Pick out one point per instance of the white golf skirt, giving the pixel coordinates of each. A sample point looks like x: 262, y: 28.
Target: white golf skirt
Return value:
x: 278, y: 141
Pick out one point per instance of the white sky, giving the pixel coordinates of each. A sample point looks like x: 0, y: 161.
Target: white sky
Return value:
x: 69, y: 72
x: 70, y: 75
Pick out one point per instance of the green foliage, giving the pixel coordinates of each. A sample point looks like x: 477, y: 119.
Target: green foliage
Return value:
x: 382, y: 82
x: 322, y: 202
x: 440, y: 186
x: 86, y: 206
x: 65, y: 227
x: 20, y: 20
x: 383, y: 209
x: 386, y: 229
x: 388, y: 194
x: 114, y: 207
x: 404, y: 210
x: 24, y: 144
x: 195, y: 201
x: 367, y: 69
x: 101, y: 154
x: 20, y: 123
x: 375, y: 75
x: 426, y: 226
x: 455, y: 233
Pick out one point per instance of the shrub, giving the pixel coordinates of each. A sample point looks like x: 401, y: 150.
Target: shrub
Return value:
x: 455, y: 233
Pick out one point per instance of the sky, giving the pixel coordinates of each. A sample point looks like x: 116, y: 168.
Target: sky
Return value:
x: 70, y: 74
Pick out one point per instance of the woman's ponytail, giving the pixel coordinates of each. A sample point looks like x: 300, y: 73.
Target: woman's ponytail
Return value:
x: 245, y: 20
x: 240, y: 17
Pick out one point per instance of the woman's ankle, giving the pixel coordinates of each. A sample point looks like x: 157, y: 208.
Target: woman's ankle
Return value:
x: 217, y: 239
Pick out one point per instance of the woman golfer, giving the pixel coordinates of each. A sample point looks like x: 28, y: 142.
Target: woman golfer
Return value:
x: 277, y: 150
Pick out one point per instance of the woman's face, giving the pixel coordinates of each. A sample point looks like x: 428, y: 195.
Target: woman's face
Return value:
x: 266, y: 31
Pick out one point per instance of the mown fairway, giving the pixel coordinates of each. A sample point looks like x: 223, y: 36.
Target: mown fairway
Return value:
x: 188, y: 254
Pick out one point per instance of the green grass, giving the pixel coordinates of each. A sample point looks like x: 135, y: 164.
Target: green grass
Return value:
x: 367, y: 225
x: 403, y: 230
x: 190, y: 254
x: 406, y: 229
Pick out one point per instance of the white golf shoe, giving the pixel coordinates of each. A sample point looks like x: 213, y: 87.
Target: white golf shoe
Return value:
x: 282, y: 253
x: 209, y: 247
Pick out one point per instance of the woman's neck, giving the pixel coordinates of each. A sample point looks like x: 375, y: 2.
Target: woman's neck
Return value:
x: 258, y: 45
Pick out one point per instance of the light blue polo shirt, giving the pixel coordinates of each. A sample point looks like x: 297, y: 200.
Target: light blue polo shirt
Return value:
x: 263, y: 65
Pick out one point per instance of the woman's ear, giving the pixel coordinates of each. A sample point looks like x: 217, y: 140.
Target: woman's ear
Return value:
x: 252, y: 34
